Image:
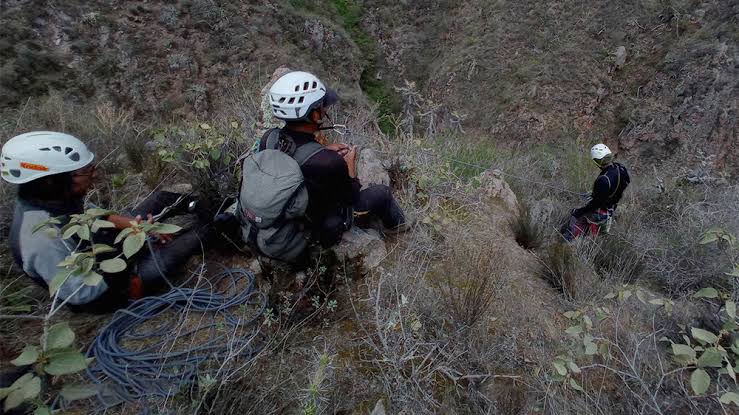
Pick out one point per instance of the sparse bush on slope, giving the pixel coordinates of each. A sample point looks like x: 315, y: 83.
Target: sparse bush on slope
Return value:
x: 528, y: 230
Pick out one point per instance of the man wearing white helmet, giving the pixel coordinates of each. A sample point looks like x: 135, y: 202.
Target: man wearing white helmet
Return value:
x: 608, y: 188
x: 54, y: 172
x: 301, y: 100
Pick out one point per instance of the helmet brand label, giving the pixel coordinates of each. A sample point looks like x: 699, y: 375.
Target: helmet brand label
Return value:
x: 31, y: 166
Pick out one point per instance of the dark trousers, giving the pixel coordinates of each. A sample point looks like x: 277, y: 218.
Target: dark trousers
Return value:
x: 151, y: 265
x: 376, y: 202
x: 165, y: 260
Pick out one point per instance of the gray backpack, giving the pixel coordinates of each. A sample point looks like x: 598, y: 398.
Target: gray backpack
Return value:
x: 273, y: 198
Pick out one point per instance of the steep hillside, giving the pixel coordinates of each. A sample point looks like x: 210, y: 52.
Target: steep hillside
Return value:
x: 480, y: 115
x: 167, y: 59
x: 655, y: 79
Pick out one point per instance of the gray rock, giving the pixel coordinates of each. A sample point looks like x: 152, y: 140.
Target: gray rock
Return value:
x: 265, y: 119
x: 370, y: 169
x: 493, y: 185
x: 620, y: 57
x: 366, y: 245
x: 379, y: 408
x: 255, y: 267
x: 542, y: 210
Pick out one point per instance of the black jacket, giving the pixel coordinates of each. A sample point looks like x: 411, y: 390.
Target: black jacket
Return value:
x: 607, y: 189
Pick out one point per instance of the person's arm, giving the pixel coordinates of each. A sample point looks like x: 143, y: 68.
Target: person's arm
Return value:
x: 42, y: 252
x: 121, y: 222
x: 342, y: 173
x: 601, y: 187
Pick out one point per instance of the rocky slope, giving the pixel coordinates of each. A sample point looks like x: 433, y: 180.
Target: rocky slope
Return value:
x: 655, y: 79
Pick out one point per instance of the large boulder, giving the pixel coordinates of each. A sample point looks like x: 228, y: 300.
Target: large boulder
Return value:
x: 370, y: 169
x: 265, y: 120
x: 493, y: 186
x: 361, y: 245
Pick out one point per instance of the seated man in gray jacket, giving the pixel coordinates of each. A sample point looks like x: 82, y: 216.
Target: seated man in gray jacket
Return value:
x: 54, y: 172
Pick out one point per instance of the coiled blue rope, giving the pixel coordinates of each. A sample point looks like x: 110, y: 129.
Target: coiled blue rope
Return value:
x: 227, y: 328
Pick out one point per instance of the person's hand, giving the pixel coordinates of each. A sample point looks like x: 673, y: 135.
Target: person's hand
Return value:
x: 340, y: 148
x: 161, y: 238
x: 351, y: 161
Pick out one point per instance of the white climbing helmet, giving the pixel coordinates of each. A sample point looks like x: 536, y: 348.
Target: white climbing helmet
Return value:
x: 294, y: 95
x: 600, y: 153
x: 37, y: 154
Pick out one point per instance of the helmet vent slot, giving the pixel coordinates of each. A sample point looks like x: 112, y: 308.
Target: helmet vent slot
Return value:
x: 315, y: 84
x: 45, y: 149
x: 305, y: 86
x: 292, y: 100
x: 68, y: 150
x: 281, y: 100
x: 15, y: 172
x: 300, y: 101
x: 74, y: 156
x: 297, y: 88
x: 57, y: 148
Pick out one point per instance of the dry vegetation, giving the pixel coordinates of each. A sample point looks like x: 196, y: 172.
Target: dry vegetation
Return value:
x: 482, y: 305
x: 459, y: 318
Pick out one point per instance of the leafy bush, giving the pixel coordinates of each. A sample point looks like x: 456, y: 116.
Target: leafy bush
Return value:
x: 206, y: 155
x: 55, y: 356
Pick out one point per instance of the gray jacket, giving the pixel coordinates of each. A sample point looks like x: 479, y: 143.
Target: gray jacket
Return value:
x: 39, y: 253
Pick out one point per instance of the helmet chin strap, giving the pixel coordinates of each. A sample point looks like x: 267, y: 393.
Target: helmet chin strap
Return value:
x: 339, y: 128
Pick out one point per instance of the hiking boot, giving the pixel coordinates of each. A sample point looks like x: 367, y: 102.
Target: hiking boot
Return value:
x: 410, y: 222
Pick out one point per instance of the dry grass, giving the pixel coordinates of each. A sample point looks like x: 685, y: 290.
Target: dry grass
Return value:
x: 470, y: 279
x: 561, y: 268
x: 528, y: 230
x: 456, y: 321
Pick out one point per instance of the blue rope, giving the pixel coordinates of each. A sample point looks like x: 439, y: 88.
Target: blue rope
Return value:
x: 135, y: 374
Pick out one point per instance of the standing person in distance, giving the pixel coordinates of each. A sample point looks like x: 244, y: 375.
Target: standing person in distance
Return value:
x: 609, y: 186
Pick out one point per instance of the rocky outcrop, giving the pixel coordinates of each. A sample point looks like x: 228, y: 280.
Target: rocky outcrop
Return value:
x: 493, y: 186
x: 265, y: 119
x: 371, y: 169
x: 362, y: 245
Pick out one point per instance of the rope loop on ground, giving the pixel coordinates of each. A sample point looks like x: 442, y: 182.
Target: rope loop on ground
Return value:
x: 211, y: 325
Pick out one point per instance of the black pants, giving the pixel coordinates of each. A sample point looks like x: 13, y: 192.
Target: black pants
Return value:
x: 166, y: 259
x: 376, y: 202
x: 152, y: 266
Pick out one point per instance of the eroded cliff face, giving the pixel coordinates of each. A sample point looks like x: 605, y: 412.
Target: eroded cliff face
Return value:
x: 654, y: 79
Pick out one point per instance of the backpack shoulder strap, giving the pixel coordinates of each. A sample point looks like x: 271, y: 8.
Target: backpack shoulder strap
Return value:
x: 306, y: 151
x: 618, y: 181
x: 272, y: 139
